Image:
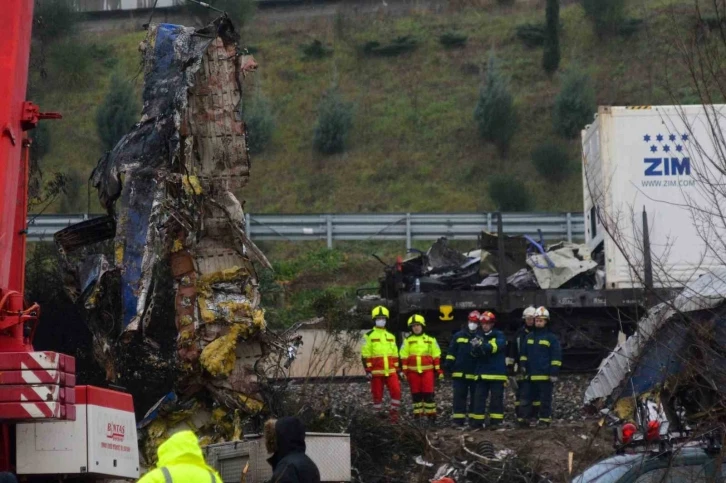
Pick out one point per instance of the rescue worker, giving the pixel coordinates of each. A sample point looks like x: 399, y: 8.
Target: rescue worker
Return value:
x: 461, y: 365
x: 380, y: 361
x: 492, y: 372
x: 514, y: 367
x: 542, y: 358
x: 420, y: 358
x: 181, y: 461
x: 285, y: 439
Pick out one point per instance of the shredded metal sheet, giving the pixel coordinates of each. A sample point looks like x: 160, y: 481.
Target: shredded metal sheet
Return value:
x: 706, y: 292
x: 566, y: 266
x: 169, y: 185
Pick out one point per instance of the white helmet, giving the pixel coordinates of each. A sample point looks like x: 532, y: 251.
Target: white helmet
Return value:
x: 542, y: 312
x: 529, y: 312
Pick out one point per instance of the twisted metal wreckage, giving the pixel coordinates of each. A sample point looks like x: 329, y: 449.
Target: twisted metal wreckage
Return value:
x: 168, y: 189
x: 673, y: 369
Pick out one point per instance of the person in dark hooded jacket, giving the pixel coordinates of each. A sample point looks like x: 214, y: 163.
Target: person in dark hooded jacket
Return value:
x: 285, y: 439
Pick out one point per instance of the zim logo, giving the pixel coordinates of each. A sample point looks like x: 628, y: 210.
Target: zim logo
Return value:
x: 667, y: 164
x: 115, y: 431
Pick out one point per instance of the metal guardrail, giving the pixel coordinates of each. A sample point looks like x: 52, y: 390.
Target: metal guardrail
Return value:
x: 373, y: 226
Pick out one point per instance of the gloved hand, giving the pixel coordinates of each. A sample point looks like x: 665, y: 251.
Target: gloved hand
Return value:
x: 400, y: 375
x: 554, y: 378
x: 369, y: 376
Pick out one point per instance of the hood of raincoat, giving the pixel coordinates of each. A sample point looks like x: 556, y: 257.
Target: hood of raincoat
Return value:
x: 182, y: 447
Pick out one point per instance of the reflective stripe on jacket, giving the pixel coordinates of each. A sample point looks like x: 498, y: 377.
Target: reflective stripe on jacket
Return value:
x: 490, y: 356
x: 541, y: 355
x: 420, y: 353
x: 181, y: 461
x: 379, y: 352
x: 459, y: 359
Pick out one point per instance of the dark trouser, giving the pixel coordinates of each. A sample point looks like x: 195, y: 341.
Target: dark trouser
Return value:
x: 540, y: 391
x: 496, y: 405
x: 522, y: 387
x: 463, y: 389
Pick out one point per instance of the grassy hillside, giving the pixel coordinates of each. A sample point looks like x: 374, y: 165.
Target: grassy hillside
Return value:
x: 414, y: 145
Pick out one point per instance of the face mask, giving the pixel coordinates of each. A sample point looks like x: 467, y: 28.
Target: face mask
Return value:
x: 473, y: 326
x: 380, y: 322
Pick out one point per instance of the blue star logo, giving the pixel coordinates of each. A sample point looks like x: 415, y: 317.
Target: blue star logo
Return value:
x: 672, y: 137
x: 684, y: 137
x: 659, y: 138
x: 646, y: 138
x: 653, y: 149
x: 666, y: 148
x: 679, y: 148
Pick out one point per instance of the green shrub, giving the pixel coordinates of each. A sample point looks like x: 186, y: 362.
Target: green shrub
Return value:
x: 606, y: 15
x: 532, y: 34
x: 551, y: 55
x: 40, y: 137
x: 551, y: 161
x: 260, y: 123
x: 72, y: 200
x: 118, y: 112
x: 398, y: 46
x: 335, y: 119
x: 575, y: 104
x: 53, y: 19
x: 629, y: 26
x: 453, y: 40
x: 315, y: 50
x: 508, y: 193
x: 495, y: 114
x: 71, y: 63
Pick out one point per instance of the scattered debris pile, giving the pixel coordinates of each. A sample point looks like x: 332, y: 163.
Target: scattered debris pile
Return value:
x: 174, y: 309
x: 672, y: 371
x: 532, y: 265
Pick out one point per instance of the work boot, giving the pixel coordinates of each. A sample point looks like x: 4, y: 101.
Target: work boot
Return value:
x: 542, y: 424
x: 393, y: 417
x: 522, y: 424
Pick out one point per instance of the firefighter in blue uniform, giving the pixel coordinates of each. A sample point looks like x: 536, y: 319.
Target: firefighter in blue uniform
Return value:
x: 514, y: 367
x: 542, y: 358
x: 461, y: 365
x: 492, y: 371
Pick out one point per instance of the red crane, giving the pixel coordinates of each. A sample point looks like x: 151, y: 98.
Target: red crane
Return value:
x: 39, y: 386
x: 24, y: 371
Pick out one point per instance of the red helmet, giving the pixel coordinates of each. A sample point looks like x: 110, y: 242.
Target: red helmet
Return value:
x: 474, y: 316
x: 488, y: 317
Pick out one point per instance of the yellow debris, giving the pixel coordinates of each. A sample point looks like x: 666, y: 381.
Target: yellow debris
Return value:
x: 191, y: 185
x: 237, y: 433
x: 218, y: 414
x: 208, y: 316
x: 218, y: 357
x: 226, y: 275
x: 119, y: 254
x: 185, y: 320
x: 625, y: 408
x: 253, y: 405
x: 178, y: 246
x: 259, y: 318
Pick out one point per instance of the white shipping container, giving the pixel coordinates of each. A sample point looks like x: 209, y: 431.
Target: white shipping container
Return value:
x: 661, y: 159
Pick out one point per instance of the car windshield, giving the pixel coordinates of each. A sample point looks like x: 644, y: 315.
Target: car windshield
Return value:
x: 609, y: 470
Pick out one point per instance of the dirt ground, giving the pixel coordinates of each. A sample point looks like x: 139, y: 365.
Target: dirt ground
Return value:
x: 544, y: 450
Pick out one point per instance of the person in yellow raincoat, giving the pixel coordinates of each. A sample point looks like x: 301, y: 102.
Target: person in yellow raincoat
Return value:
x: 181, y: 461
